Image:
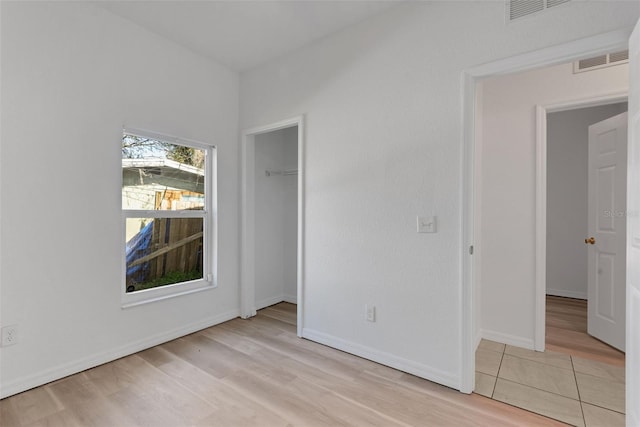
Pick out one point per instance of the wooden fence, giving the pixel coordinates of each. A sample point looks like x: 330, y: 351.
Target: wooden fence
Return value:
x: 176, y: 246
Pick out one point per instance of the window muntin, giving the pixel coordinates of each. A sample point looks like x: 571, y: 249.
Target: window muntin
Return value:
x: 168, y: 216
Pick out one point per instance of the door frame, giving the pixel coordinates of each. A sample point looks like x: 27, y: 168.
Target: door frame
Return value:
x: 247, y: 239
x: 541, y: 197
x: 472, y: 185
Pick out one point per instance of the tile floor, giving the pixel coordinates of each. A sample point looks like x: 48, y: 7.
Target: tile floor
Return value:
x: 567, y: 388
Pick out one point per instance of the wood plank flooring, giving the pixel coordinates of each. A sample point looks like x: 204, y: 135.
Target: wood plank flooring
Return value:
x: 252, y: 372
x: 566, y: 328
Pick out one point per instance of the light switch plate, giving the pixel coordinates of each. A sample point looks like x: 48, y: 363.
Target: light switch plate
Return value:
x: 427, y: 224
x: 370, y: 313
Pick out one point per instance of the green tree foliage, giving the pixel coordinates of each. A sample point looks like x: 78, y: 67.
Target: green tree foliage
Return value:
x: 186, y: 155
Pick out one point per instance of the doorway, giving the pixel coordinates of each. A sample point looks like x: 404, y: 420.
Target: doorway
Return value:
x: 513, y: 373
x: 272, y: 217
x: 512, y: 176
x: 571, y: 283
x: 511, y: 191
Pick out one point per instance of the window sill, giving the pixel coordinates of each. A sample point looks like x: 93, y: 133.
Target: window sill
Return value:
x: 166, y: 292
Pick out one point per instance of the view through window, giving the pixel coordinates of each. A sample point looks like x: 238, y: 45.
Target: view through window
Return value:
x: 164, y: 202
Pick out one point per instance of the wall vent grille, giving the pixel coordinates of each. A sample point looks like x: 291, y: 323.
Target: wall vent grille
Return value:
x: 521, y: 8
x: 602, y: 61
x: 619, y: 56
x: 551, y: 3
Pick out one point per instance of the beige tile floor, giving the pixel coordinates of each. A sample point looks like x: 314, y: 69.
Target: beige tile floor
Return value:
x: 567, y: 388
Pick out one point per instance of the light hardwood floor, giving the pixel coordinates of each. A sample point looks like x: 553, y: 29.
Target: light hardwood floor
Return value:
x: 252, y: 373
x: 566, y: 328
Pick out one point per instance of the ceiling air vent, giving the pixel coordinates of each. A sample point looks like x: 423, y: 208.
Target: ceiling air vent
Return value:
x: 551, y: 3
x: 619, y: 56
x: 592, y: 62
x: 601, y: 61
x: 520, y: 8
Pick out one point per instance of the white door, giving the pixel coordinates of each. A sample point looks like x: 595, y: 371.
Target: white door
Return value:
x: 607, y: 230
x: 633, y: 235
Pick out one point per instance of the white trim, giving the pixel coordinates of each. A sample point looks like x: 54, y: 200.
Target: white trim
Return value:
x: 301, y: 223
x: 540, y: 302
x: 554, y: 55
x: 566, y: 294
x: 169, y: 291
x: 247, y: 268
x: 632, y: 367
x: 478, y: 339
x: 606, y: 98
x: 468, y: 334
x: 571, y: 51
x: 267, y: 302
x: 166, y: 138
x: 210, y: 227
x: 283, y: 124
x: 387, y: 359
x: 508, y: 339
x: 293, y: 299
x: 477, y: 222
x: 247, y: 241
x: 7, y: 319
x: 541, y: 203
x: 36, y: 379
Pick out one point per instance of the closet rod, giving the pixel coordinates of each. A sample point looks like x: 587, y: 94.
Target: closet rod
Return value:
x: 281, y: 172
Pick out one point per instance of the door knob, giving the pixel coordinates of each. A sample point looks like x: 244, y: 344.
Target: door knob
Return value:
x: 590, y: 241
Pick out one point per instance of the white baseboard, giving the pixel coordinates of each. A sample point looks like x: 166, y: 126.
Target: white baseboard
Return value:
x: 269, y: 301
x: 567, y: 294
x: 477, y: 339
x: 405, y: 365
x: 508, y: 339
x: 293, y: 299
x: 39, y: 378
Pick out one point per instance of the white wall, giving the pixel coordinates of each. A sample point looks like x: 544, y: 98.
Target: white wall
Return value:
x: 508, y: 188
x: 567, y: 197
x: 382, y: 107
x: 72, y: 76
x: 276, y: 210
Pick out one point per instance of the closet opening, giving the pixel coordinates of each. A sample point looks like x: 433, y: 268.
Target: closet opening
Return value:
x: 272, y: 219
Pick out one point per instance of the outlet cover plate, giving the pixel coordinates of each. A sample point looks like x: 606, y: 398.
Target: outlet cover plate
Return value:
x: 9, y: 335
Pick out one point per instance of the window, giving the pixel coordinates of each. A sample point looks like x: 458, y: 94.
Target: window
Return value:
x: 168, y: 216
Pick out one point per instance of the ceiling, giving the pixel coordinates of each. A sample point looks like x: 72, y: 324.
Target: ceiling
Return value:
x: 242, y: 34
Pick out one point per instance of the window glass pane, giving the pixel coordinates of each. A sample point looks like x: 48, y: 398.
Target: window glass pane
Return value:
x: 158, y: 175
x: 162, y: 251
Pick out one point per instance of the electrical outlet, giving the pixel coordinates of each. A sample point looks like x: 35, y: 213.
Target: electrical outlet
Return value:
x: 370, y: 313
x: 9, y: 335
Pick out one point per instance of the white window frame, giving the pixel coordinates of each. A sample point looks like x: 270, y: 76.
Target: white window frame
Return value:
x: 210, y: 229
